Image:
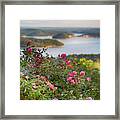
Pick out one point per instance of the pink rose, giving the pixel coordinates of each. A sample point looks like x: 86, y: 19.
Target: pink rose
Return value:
x: 71, y: 74
x: 68, y: 62
x: 51, y: 86
x: 63, y: 56
x: 74, y: 72
x: 88, y: 79
x: 29, y: 50
x: 82, y: 73
x: 69, y: 78
x: 72, y: 82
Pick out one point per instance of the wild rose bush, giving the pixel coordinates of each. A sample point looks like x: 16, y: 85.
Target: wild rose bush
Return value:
x: 44, y: 77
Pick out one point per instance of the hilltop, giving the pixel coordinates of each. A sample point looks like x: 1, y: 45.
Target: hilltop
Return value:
x: 59, y: 32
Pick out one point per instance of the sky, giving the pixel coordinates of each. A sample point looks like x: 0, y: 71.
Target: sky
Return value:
x: 60, y: 23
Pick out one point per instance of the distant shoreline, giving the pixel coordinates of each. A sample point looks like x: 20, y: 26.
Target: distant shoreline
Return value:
x: 49, y: 43
x: 49, y: 46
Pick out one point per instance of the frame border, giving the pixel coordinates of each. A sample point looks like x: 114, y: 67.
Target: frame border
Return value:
x: 52, y: 2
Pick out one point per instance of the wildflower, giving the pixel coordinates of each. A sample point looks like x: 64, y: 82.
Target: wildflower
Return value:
x: 63, y: 56
x: 74, y: 72
x: 88, y: 79
x: 71, y: 74
x: 69, y: 78
x: 82, y: 73
x: 29, y: 50
x: 72, y: 81
x: 68, y: 62
x: 51, y: 86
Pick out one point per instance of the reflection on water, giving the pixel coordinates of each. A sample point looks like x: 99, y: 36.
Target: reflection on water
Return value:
x: 77, y: 45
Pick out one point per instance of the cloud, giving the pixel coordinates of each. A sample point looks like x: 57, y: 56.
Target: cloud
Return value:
x: 60, y: 23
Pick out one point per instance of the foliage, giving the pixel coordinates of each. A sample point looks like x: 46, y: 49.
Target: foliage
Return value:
x: 62, y: 78
x: 41, y: 42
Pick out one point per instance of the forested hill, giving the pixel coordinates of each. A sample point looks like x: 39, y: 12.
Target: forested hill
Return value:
x: 57, y: 31
x: 40, y: 42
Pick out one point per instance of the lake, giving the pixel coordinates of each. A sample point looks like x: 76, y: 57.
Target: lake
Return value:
x: 77, y: 45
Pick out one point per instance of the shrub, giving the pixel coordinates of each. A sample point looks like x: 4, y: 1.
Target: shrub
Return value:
x: 63, y: 78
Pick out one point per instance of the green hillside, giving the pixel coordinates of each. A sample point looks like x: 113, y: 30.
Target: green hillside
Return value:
x: 40, y: 42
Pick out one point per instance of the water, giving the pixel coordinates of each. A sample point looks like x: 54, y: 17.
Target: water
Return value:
x: 77, y: 45
x: 39, y: 37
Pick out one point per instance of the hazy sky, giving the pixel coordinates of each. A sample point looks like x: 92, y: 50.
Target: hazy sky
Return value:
x: 60, y: 23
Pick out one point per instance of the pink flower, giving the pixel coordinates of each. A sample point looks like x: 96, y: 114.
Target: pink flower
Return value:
x: 29, y: 50
x: 69, y: 78
x: 71, y: 74
x: 63, y: 56
x: 51, y: 86
x: 82, y: 73
x: 72, y: 82
x: 68, y: 62
x: 88, y: 79
x: 74, y: 72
